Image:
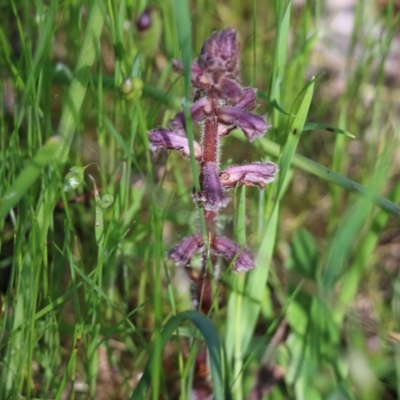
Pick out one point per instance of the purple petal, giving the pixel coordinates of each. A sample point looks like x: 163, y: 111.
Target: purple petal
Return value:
x: 224, y: 130
x: 230, y: 90
x: 252, y: 125
x: 182, y: 253
x: 248, y: 101
x: 199, y: 111
x: 243, y: 259
x: 256, y: 174
x: 165, y: 139
x: 212, y: 193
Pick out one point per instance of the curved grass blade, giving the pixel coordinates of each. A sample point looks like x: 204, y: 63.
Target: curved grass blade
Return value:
x: 273, y: 103
x: 62, y: 75
x: 327, y: 174
x: 211, y: 338
x: 312, y: 126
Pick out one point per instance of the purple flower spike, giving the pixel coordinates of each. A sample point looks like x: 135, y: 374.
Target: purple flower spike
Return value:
x: 256, y: 174
x: 165, y: 139
x: 212, y: 193
x: 182, y: 253
x: 252, y: 125
x: 228, y: 249
x: 199, y: 111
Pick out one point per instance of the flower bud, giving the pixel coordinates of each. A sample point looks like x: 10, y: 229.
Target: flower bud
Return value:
x: 143, y: 23
x: 149, y: 27
x: 256, y: 174
x: 242, y: 259
x: 132, y: 88
x: 199, y: 111
x: 162, y: 138
x: 212, y: 193
x: 182, y: 253
x: 220, y: 52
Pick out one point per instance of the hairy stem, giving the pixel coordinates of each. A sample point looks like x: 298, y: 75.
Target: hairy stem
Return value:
x: 210, y: 141
x: 210, y: 154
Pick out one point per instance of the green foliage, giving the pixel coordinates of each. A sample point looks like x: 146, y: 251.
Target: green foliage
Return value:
x: 89, y: 306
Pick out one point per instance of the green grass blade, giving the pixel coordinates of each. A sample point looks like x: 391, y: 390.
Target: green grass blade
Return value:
x: 234, y: 325
x: 313, y: 126
x: 77, y: 90
x: 29, y: 175
x: 294, y: 136
x: 257, y: 279
x: 280, y: 51
x: 182, y: 19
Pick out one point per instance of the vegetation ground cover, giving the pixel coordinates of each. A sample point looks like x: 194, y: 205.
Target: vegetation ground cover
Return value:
x: 88, y: 212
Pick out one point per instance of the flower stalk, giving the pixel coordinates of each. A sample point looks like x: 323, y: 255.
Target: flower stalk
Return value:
x: 221, y: 105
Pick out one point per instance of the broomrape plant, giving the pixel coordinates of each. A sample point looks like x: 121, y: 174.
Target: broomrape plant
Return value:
x: 221, y: 105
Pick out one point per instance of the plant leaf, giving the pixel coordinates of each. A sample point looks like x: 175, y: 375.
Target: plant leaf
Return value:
x: 211, y: 338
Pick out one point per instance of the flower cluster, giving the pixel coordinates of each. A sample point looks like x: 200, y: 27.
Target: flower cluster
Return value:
x: 221, y: 105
